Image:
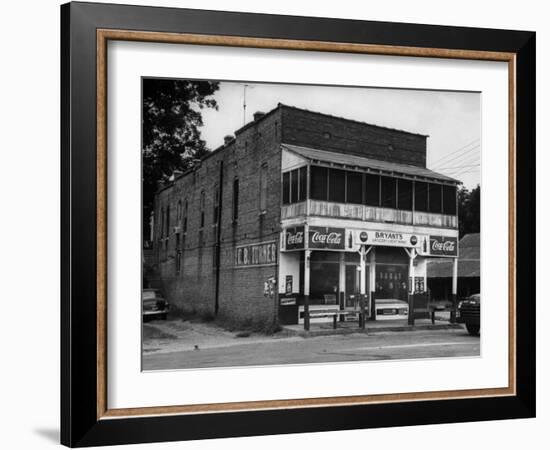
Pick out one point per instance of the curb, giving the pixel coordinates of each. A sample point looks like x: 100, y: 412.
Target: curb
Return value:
x: 367, y: 331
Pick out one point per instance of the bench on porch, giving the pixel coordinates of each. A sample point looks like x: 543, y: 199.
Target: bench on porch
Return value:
x: 439, y: 306
x: 334, y: 313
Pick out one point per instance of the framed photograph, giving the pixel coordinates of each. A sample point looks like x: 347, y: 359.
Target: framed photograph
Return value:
x: 278, y: 224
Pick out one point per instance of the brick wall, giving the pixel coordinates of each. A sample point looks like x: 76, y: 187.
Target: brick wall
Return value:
x: 241, y: 296
x: 311, y: 129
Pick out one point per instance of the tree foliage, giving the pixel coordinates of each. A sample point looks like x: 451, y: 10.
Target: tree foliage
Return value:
x: 171, y: 140
x: 469, y: 210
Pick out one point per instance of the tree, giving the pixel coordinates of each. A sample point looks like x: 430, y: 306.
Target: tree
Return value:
x: 469, y: 210
x: 171, y: 139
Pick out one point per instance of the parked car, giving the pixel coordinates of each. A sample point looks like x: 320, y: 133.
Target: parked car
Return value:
x: 153, y: 305
x: 391, y: 309
x: 468, y: 313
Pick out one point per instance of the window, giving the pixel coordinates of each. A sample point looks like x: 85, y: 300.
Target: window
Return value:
x: 294, y: 186
x: 318, y: 183
x: 388, y: 192
x: 449, y: 200
x: 354, y: 187
x: 178, y: 212
x: 184, y: 226
x: 168, y: 221
x: 263, y: 188
x: 235, y: 199
x: 303, y: 184
x: 161, y: 223
x: 434, y: 197
x: 216, y: 211
x: 337, y: 185
x: 420, y: 196
x: 201, y: 209
x: 404, y: 194
x: 372, y: 190
x: 286, y: 188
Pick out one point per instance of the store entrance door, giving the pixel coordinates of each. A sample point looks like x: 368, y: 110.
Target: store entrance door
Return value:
x: 353, y: 285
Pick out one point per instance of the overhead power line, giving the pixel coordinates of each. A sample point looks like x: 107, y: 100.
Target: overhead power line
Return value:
x: 436, y: 162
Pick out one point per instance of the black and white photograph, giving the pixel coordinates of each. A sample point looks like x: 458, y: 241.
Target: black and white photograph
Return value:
x: 303, y: 224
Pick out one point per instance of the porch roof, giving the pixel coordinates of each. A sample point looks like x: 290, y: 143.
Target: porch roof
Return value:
x: 343, y: 159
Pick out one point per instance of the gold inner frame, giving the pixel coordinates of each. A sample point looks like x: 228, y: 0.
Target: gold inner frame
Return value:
x: 103, y: 36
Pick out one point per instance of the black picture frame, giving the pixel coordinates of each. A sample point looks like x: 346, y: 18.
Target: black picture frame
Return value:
x: 80, y: 425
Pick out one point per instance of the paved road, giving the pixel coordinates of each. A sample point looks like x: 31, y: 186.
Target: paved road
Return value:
x: 354, y: 347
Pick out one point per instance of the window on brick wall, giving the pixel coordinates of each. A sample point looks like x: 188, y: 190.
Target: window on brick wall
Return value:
x: 235, y: 199
x: 216, y: 211
x: 161, y: 223
x: 263, y: 188
x: 184, y: 225
x: 354, y: 187
x: 372, y: 190
x: 201, y: 208
x: 167, y: 234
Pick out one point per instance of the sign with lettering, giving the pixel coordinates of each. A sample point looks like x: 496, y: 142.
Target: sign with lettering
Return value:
x: 386, y: 238
x: 294, y: 238
x: 326, y: 238
x: 260, y: 254
x: 443, y: 246
x: 288, y: 284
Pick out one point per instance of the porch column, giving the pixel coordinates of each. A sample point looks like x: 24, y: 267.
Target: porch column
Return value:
x: 342, y: 281
x: 454, y: 289
x: 372, y: 283
x: 307, y: 255
x: 363, y: 281
x: 412, y: 256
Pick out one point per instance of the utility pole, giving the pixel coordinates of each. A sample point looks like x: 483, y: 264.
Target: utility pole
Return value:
x: 244, y: 103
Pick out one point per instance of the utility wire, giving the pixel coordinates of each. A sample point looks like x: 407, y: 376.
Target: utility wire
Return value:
x: 457, y: 157
x: 436, y: 162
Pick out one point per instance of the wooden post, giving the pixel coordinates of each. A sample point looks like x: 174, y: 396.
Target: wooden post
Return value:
x: 372, y: 283
x: 454, y: 290
x: 307, y: 255
x: 412, y: 255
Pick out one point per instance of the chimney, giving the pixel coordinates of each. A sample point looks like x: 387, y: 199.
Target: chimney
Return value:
x: 228, y: 139
x: 258, y: 115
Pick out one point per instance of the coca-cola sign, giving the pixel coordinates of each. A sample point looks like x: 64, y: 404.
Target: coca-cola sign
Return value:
x: 295, y: 238
x: 443, y: 246
x: 326, y: 238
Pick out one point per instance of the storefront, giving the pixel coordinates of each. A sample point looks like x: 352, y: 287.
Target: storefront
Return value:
x: 323, y: 268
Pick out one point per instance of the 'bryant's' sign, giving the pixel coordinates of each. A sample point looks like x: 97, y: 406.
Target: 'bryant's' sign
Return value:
x: 261, y: 254
x: 326, y: 238
x: 443, y: 246
x: 388, y: 238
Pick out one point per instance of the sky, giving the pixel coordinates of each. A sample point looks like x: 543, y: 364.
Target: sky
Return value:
x: 451, y: 119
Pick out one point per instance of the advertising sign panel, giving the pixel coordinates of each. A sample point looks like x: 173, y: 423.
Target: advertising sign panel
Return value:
x: 294, y: 238
x: 443, y: 246
x: 326, y: 238
x: 260, y: 254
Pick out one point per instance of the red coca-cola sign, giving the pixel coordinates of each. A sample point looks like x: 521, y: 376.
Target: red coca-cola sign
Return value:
x: 326, y: 238
x: 443, y: 246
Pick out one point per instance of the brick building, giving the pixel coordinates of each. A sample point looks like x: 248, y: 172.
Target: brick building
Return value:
x: 326, y: 207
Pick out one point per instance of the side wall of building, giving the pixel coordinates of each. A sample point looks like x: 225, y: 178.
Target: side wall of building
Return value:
x: 254, y: 153
x: 310, y: 129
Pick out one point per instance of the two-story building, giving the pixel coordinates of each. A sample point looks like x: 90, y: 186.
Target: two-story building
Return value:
x: 303, y: 210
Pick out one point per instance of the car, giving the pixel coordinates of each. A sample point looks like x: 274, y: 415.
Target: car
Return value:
x: 468, y: 313
x: 391, y: 309
x: 154, y: 305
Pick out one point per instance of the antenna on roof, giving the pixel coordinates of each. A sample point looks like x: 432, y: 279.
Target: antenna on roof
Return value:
x: 245, y: 87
